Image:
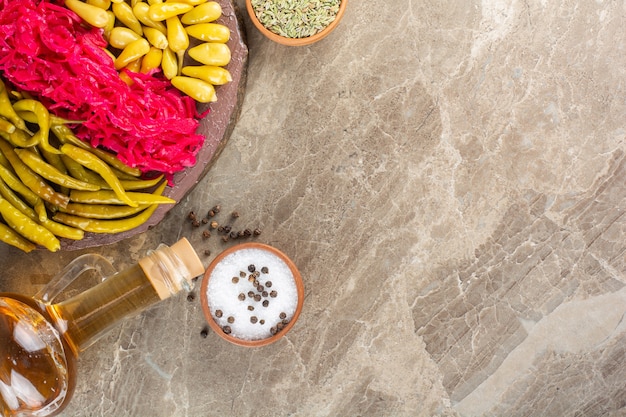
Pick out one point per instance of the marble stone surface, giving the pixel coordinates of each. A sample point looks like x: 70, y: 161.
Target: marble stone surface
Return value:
x: 449, y: 178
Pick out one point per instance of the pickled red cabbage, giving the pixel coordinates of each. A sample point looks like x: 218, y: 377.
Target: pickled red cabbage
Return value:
x: 47, y: 51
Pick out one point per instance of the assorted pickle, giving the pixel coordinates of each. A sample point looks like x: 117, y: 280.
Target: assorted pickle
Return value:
x: 146, y: 35
x: 52, y: 184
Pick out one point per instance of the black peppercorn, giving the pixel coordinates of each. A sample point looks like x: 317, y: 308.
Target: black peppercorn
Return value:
x: 207, y: 252
x: 273, y: 330
x: 233, y: 235
x: 211, y: 213
x: 260, y: 288
x: 235, y: 280
x: 217, y: 208
x: 256, y: 232
x: 206, y: 234
x: 251, y: 268
x: 224, y: 239
x: 220, y: 229
x: 226, y: 329
x: 261, y: 321
x: 191, y: 215
x: 264, y: 294
x: 204, y: 333
x: 268, y: 284
x: 282, y: 315
x: 250, y: 308
x: 240, y: 234
x: 230, y: 319
x: 234, y: 214
x: 242, y: 297
x: 265, y: 270
x: 218, y: 313
x: 265, y: 303
x: 242, y: 274
x: 205, y: 220
x: 273, y: 294
x: 251, y: 294
x: 191, y: 296
x: 253, y: 319
x: 195, y: 223
x: 227, y: 229
x: 257, y: 297
x: 247, y: 232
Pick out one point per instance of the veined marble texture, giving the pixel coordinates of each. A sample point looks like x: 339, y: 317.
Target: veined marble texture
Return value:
x: 449, y: 178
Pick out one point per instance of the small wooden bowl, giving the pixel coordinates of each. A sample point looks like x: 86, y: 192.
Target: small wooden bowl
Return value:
x: 206, y: 309
x: 296, y: 41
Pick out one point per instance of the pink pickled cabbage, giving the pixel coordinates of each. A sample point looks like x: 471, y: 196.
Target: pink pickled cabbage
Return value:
x: 47, y: 51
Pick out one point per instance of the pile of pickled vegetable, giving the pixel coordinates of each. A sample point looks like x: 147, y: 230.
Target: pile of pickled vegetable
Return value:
x: 98, y: 111
x: 46, y: 50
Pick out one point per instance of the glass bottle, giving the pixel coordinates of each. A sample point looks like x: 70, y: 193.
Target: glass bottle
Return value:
x: 40, y: 340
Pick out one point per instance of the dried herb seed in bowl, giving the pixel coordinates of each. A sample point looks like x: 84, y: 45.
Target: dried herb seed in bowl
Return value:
x: 296, y: 18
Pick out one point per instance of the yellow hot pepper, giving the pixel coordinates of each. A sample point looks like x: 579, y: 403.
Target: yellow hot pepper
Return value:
x: 199, y: 90
x: 141, y: 11
x: 169, y: 64
x: 134, y: 50
x: 209, y: 32
x: 156, y: 38
x: 151, y: 60
x: 211, y: 53
x: 209, y: 73
x: 124, y: 13
x: 91, y: 14
x: 120, y: 37
x: 177, y: 38
x: 163, y: 11
x: 203, y: 13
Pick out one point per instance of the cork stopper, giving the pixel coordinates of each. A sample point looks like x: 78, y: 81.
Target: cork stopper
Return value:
x: 187, y: 254
x: 167, y: 272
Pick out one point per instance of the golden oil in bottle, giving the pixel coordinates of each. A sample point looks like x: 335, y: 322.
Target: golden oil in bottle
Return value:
x: 82, y: 319
x: 37, y: 368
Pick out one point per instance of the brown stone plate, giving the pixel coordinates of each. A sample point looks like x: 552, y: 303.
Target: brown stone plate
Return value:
x: 217, y: 127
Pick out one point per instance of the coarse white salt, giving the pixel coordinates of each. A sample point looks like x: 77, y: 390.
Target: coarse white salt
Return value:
x: 251, y: 316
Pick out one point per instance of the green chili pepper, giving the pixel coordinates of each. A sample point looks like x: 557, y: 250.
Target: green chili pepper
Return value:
x: 43, y: 120
x: 65, y: 135
x: 89, y: 160
x: 6, y: 126
x: 47, y: 171
x: 7, y: 110
x: 102, y: 211
x: 31, y: 179
x: 110, y: 197
x: 20, y: 138
x: 17, y: 185
x: 27, y: 227
x: 39, y: 214
x: 8, y: 194
x: 11, y: 237
x: 109, y: 226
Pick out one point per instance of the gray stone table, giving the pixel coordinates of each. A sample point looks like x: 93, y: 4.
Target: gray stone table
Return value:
x: 450, y: 179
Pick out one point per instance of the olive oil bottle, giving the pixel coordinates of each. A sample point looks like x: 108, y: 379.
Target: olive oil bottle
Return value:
x: 40, y: 340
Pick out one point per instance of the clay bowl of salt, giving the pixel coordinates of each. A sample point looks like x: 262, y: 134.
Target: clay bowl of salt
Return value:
x: 252, y: 294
